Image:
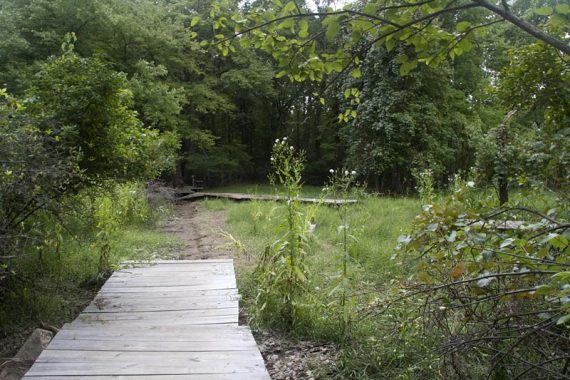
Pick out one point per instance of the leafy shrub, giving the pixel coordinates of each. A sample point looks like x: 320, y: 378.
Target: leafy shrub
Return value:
x: 36, y: 170
x: 493, y: 284
x: 88, y: 107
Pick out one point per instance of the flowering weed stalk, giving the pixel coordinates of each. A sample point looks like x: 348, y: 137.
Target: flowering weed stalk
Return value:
x: 340, y: 183
x: 282, y: 272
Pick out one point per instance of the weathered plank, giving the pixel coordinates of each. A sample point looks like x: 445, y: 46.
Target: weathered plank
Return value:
x: 177, y: 263
x: 189, y: 294
x: 171, y: 333
x: 175, y: 288
x: 250, y: 197
x: 109, y: 306
x: 169, y: 320
x: 174, y: 280
x: 170, y: 315
x: 217, y: 376
x: 143, y: 323
x: 218, y: 345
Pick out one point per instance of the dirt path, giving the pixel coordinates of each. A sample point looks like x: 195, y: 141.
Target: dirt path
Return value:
x: 202, y: 231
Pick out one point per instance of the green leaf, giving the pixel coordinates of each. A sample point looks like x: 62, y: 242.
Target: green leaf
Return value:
x: 563, y: 9
x: 402, y: 58
x: 425, y: 278
x: 195, y: 20
x: 371, y: 8
x: 390, y: 43
x: 290, y: 6
x: 356, y: 73
x: 557, y: 20
x: 407, y: 67
x: 543, y: 11
x: 562, y: 320
x: 281, y: 74
x: 322, y: 100
x: 462, y: 26
x: 304, y: 29
x: 332, y: 29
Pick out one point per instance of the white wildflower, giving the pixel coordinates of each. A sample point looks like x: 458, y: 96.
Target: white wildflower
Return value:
x: 353, y: 172
x: 276, y: 141
x: 331, y: 171
x: 346, y: 172
x: 291, y: 148
x: 284, y: 138
x: 470, y: 184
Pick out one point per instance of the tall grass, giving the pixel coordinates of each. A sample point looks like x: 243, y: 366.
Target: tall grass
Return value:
x: 377, y: 346
x: 387, y: 340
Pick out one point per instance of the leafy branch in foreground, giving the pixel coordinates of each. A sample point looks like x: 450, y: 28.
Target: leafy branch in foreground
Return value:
x: 285, y: 32
x: 494, y: 283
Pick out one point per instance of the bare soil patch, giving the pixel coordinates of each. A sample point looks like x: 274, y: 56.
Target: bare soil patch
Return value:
x: 201, y: 230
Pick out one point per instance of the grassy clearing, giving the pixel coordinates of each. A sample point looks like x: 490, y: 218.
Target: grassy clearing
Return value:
x: 376, y: 346
x: 51, y: 286
x: 385, y: 340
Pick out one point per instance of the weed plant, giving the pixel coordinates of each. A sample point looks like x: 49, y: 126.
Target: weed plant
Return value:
x: 339, y: 187
x: 282, y: 273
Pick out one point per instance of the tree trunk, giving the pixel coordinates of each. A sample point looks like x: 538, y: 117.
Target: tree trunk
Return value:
x: 501, y: 164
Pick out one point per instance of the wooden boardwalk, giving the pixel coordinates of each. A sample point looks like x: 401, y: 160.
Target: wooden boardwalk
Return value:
x: 165, y: 320
x: 253, y: 197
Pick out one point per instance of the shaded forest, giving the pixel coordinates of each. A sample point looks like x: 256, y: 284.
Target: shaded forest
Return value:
x: 225, y: 110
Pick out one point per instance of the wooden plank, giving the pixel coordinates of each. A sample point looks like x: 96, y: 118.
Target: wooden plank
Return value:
x: 92, y: 309
x: 260, y: 375
x: 63, y: 362
x: 175, y: 315
x: 141, y: 368
x: 179, y: 262
x: 171, y: 333
x: 164, y: 273
x: 74, y: 356
x: 109, y: 306
x: 217, y: 345
x: 196, y: 269
x: 158, y: 289
x: 169, y: 282
x: 137, y: 298
x: 215, y: 307
x: 158, y: 272
x: 201, y: 320
x: 246, y: 197
x: 189, y: 278
x: 156, y: 338
x: 189, y: 294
